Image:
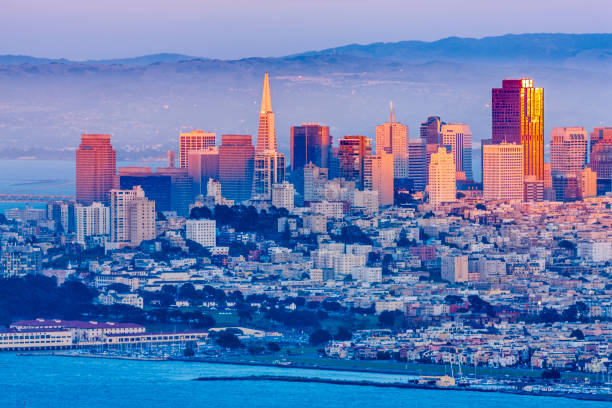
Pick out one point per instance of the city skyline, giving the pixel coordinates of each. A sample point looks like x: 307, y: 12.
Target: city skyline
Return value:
x: 327, y: 202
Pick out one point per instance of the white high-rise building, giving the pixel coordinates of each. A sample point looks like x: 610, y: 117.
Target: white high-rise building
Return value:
x: 502, y: 172
x: 458, y: 138
x: 392, y: 137
x: 92, y: 220
x: 283, y: 195
x: 442, y: 184
x: 132, y: 217
x: 204, y: 232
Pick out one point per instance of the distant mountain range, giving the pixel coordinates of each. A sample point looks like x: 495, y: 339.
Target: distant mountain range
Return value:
x: 146, y: 101
x: 510, y: 47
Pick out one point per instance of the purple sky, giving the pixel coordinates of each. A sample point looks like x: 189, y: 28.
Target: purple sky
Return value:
x: 84, y: 29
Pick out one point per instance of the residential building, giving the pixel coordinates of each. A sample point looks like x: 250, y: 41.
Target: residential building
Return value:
x: 202, y: 231
x: 92, y: 220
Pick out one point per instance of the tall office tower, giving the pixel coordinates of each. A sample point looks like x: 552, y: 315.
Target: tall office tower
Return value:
x: 457, y: 138
x: 269, y: 164
x: 170, y: 159
x: 568, y: 156
x: 170, y: 188
x: 378, y: 171
x: 310, y: 143
x: 351, y: 157
x: 266, y: 134
x: 182, y: 186
x: 283, y: 195
x: 518, y: 118
x: 430, y: 130
x: 236, y: 155
x: 392, y: 137
x: 601, y: 157
x: 314, y: 183
x: 156, y: 187
x: 600, y: 134
x: 92, y: 220
x: 96, y: 163
x: 194, y: 140
x: 442, y: 183
x: 417, y: 163
x: 502, y: 176
x: 203, y: 165
x: 132, y: 217
x: 268, y: 169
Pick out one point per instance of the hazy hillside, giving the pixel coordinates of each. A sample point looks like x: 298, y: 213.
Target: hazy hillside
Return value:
x: 144, y: 102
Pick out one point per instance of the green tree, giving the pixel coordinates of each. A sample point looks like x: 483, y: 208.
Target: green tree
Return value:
x: 319, y: 337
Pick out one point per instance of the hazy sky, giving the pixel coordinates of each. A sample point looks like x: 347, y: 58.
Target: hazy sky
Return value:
x: 83, y: 29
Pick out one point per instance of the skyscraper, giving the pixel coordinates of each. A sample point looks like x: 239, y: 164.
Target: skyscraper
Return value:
x: 502, y: 176
x: 236, y: 155
x: 351, y: 156
x: 378, y: 171
x: 392, y: 137
x: 268, y: 169
x: 310, y: 143
x: 170, y: 188
x: 96, y: 163
x: 518, y: 118
x: 266, y: 134
x: 457, y: 138
x: 442, y: 183
x: 203, y: 165
x: 430, y: 130
x: 601, y: 157
x: 568, y: 156
x: 194, y: 140
x: 600, y: 134
x: 269, y: 164
x: 417, y: 163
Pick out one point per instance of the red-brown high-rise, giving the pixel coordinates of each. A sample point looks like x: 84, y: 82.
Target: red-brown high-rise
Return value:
x: 96, y: 164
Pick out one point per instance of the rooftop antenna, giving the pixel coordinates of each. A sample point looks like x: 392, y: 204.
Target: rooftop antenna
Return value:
x: 391, y: 112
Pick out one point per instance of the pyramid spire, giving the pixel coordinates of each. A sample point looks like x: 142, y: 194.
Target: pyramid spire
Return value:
x: 266, y: 100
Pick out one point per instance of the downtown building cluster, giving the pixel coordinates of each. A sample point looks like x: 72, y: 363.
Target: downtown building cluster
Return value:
x: 400, y: 227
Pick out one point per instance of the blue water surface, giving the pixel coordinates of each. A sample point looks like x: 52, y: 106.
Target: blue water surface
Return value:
x: 53, y: 381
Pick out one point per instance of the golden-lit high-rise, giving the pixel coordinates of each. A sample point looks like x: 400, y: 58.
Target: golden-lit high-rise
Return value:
x: 518, y: 117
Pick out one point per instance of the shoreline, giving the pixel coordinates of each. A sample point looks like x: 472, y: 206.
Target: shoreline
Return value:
x: 367, y: 383
x: 298, y: 379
